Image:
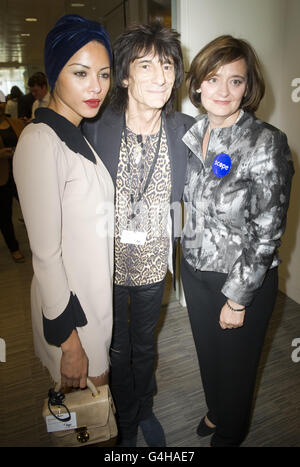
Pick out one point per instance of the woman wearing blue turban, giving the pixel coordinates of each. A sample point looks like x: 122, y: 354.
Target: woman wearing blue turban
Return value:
x: 66, y: 195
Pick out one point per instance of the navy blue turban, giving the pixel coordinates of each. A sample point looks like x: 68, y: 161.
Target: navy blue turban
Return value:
x: 70, y: 33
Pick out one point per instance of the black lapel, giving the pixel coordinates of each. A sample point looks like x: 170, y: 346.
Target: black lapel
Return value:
x: 110, y: 136
x: 66, y: 131
x: 175, y: 130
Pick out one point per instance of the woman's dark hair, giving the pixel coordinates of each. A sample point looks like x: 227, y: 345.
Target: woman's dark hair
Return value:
x: 221, y: 51
x: 139, y: 41
x: 15, y: 92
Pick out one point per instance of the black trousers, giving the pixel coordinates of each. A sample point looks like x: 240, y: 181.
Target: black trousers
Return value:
x: 6, y: 225
x: 133, y: 353
x: 229, y: 358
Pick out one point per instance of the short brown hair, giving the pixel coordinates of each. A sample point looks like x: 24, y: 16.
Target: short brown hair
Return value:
x: 221, y: 51
x: 38, y: 79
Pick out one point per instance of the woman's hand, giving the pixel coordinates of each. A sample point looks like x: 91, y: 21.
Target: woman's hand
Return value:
x: 230, y: 319
x: 74, y: 363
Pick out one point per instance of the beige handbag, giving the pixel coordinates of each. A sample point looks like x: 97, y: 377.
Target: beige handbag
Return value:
x: 82, y: 417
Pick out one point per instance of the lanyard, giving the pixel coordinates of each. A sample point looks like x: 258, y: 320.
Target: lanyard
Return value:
x: 141, y: 193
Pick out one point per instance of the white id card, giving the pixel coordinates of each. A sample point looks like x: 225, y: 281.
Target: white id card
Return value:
x: 56, y: 425
x: 134, y: 238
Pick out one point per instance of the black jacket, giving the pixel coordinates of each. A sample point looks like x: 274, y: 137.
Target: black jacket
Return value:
x: 105, y: 136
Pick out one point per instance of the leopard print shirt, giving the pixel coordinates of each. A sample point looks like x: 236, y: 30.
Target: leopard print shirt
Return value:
x: 142, y: 264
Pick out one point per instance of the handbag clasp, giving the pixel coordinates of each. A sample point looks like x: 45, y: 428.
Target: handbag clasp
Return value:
x: 82, y: 434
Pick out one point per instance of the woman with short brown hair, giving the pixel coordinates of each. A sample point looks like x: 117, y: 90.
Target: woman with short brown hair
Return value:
x: 219, y: 52
x: 237, y: 195
x: 10, y: 130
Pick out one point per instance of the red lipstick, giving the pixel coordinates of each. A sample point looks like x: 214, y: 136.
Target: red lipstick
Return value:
x: 93, y: 103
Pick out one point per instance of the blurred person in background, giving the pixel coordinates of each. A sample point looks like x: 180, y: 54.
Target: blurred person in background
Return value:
x: 10, y: 130
x: 25, y: 106
x: 38, y: 86
x: 12, y: 104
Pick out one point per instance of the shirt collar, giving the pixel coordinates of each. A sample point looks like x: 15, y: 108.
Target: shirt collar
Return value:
x: 194, y: 136
x: 45, y: 99
x: 66, y: 131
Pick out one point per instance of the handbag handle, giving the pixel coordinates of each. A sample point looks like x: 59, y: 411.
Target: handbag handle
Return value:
x: 90, y: 385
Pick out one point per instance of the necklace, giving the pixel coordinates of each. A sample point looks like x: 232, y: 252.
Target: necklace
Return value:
x: 147, y: 182
x: 139, y: 148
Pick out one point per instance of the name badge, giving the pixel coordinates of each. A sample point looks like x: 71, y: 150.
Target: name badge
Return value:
x: 59, y: 425
x: 133, y: 237
x: 221, y: 165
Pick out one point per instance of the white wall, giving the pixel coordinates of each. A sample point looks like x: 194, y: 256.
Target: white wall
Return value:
x: 271, y: 26
x: 289, y: 271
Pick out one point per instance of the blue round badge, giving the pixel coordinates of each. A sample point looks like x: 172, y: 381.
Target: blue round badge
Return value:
x: 221, y: 165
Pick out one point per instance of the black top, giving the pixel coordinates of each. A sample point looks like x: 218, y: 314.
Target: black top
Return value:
x: 9, y: 137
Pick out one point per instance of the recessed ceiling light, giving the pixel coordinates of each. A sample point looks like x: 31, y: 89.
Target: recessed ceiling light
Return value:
x: 31, y: 20
x: 24, y: 34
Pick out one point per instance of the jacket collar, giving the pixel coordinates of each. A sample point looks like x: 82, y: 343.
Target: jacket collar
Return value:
x: 66, y: 131
x: 194, y: 137
x: 116, y: 119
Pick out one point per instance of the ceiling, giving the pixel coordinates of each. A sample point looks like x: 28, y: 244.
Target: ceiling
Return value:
x: 17, y: 49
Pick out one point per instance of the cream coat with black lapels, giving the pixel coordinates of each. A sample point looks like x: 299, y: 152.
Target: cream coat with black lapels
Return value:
x: 236, y: 201
x: 67, y: 196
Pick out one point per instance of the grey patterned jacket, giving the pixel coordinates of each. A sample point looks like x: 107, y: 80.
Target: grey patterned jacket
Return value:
x: 236, y: 215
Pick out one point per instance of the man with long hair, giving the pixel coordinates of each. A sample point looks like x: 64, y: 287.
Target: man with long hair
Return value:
x: 138, y: 138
